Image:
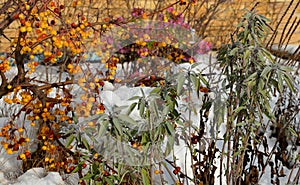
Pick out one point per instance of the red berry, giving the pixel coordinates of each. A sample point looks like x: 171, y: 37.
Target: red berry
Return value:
x: 27, y: 154
x: 22, y: 21
x: 56, y: 10
x: 73, y: 25
x: 101, y: 83
x: 58, y: 136
x: 71, y: 168
x: 204, y: 89
x: 16, y: 16
x: 44, y: 35
x: 105, y: 173
x: 16, y: 147
x: 21, y: 140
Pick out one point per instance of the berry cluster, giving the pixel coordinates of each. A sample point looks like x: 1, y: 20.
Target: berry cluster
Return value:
x: 14, y: 138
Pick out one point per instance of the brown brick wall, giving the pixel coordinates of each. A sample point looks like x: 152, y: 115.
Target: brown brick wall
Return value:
x: 217, y: 32
x: 231, y: 12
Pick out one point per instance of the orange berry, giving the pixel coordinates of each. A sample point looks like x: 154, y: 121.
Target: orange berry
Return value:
x: 23, y: 156
x: 21, y: 16
x: 52, y: 4
x: 9, y: 151
x: 134, y: 145
x: 204, y: 89
x: 23, y: 29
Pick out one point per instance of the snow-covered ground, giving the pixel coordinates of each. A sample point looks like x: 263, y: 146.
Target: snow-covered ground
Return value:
x: 34, y: 176
x: 112, y: 95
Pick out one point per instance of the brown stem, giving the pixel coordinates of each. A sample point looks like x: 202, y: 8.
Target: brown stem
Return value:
x: 4, y: 80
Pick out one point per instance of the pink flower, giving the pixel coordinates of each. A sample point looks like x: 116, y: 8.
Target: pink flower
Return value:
x: 204, y: 47
x: 170, y: 9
